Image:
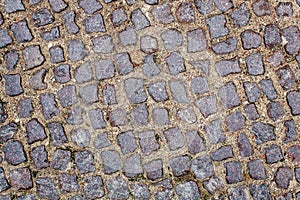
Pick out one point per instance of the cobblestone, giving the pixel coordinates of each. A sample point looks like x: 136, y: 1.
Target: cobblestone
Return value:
x: 149, y: 99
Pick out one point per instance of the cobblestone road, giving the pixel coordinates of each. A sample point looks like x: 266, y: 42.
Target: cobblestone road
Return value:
x: 149, y: 99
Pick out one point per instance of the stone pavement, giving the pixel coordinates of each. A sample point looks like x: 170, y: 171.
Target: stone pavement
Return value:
x: 149, y: 99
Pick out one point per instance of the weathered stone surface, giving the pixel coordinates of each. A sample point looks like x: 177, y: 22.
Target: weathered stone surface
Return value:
x: 263, y: 132
x: 160, y: 116
x: 256, y: 169
x: 225, y: 47
x: 117, y: 188
x: 139, y: 19
x: 12, y: 6
x: 261, y: 8
x: 61, y: 159
x: 37, y: 80
x: 178, y: 91
x: 123, y: 63
x: 286, y: 77
x: 217, y: 26
x: 293, y: 101
x: 49, y: 106
x: 93, y: 187
x: 204, y: 6
x: 13, y: 84
x: 250, y: 39
x: 244, y: 145
x: 255, y: 65
x: 83, y: 73
x: 42, y: 17
x: 185, y: 13
x: 89, y: 94
x: 275, y: 110
x: 20, y: 178
x: 135, y: 91
x: 33, y: 57
x: 85, y: 161
x: 46, y: 188
x: 14, y: 152
x: 187, y: 190
x: 11, y: 59
x: 226, y: 67
x: 234, y: 172
x: 239, y: 193
x: 202, y: 167
x: 35, y: 131
x: 291, y: 133
x: 150, y: 68
x: 187, y: 115
x: 70, y: 24
x: 260, y: 191
x: 67, y: 183
x: 175, y: 63
x: 195, y: 142
x: 292, y: 35
x: 272, y: 35
x: 229, y: 96
x: 51, y: 35
x: 140, y: 190
x: 139, y: 115
x: 21, y: 31
x: 39, y: 156
x: 76, y: 50
x: 172, y: 39
x: 57, y: 133
x: 241, y: 15
x: 3, y: 181
x: 215, y: 132
x: 154, y: 169
x: 148, y: 142
x: 180, y: 165
x: 94, y: 24
x: 132, y: 166
x: 283, y: 176
x: 111, y: 161
x: 127, y: 142
x: 90, y: 6
x: 222, y: 153
x: 57, y: 54
x: 235, y: 121
x: 118, y: 117
x: 128, y: 37
x: 199, y: 85
x: 213, y: 184
x: 268, y: 89
x: 8, y: 131
x: 81, y: 137
x: 207, y: 105
x: 174, y: 138
x: 162, y: 14
x: 5, y: 38
x: 164, y: 189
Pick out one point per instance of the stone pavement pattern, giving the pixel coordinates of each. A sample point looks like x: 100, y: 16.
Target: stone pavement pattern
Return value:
x: 150, y: 99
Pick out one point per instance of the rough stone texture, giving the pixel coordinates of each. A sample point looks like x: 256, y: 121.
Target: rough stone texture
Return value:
x: 234, y: 172
x: 187, y: 190
x: 255, y: 64
x: 283, y: 176
x: 293, y: 101
x: 67, y: 183
x: 154, y: 169
x: 13, y: 85
x: 172, y: 39
x: 162, y: 14
x: 123, y: 63
x: 174, y: 138
x: 111, y: 161
x: 39, y: 157
x: 217, y: 26
x: 256, y: 169
x: 202, y: 167
x: 263, y: 132
x: 149, y: 99
x: 117, y: 188
x: 226, y: 67
x: 37, y: 80
x: 35, y: 131
x: 42, y: 17
x: 178, y: 91
x: 227, y: 46
x: 61, y: 159
x: 132, y: 166
x: 14, y: 152
x: 229, y: 96
x: 222, y: 153
x: 21, y: 31
x: 46, y: 188
x: 286, y: 77
x: 139, y: 20
x: 175, y: 63
x: 90, y: 6
x: 85, y: 162
x: 207, y: 105
x: 195, y: 143
x: 127, y: 142
x: 244, y: 145
x: 20, y: 178
x: 33, y: 57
